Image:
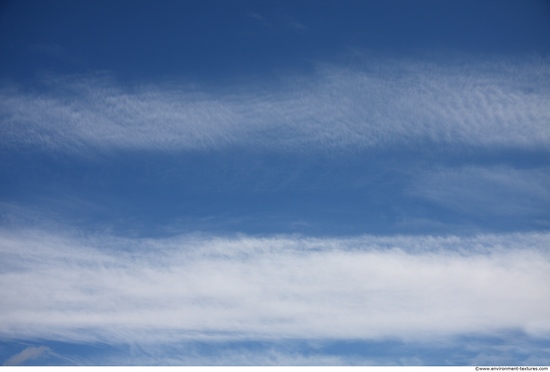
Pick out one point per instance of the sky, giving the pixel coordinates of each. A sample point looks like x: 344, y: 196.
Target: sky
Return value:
x: 275, y: 182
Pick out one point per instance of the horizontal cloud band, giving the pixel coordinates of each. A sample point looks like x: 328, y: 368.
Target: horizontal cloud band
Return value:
x: 204, y: 287
x: 383, y: 104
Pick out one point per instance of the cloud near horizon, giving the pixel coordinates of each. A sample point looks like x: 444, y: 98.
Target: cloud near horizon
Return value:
x: 27, y: 354
x: 200, y: 287
x: 384, y: 103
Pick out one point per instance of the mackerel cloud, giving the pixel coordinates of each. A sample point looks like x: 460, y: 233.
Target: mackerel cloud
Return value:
x: 489, y: 104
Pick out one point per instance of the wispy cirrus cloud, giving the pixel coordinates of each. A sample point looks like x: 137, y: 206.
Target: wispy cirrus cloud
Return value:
x: 98, y: 288
x: 28, y: 354
x: 384, y: 103
x: 487, y: 191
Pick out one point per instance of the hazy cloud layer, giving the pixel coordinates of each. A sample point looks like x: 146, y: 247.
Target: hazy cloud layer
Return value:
x: 383, y: 103
x: 202, y: 287
x: 149, y: 293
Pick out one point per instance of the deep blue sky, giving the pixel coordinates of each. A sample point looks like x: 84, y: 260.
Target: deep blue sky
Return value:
x: 224, y: 39
x: 274, y: 182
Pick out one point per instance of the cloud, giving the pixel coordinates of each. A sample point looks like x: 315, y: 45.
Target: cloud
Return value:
x: 384, y: 103
x: 27, y: 354
x: 193, y: 287
x: 277, y: 354
x: 494, y: 191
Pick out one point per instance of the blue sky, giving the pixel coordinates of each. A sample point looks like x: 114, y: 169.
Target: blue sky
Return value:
x: 275, y: 182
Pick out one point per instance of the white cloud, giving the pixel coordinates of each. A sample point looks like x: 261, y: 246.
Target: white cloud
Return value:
x: 385, y: 103
x: 501, y: 191
x: 199, y: 287
x: 187, y: 354
x: 28, y: 354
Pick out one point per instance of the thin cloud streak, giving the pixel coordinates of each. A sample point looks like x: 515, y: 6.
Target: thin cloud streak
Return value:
x: 495, y: 191
x: 216, y: 288
x: 28, y: 354
x: 382, y: 104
